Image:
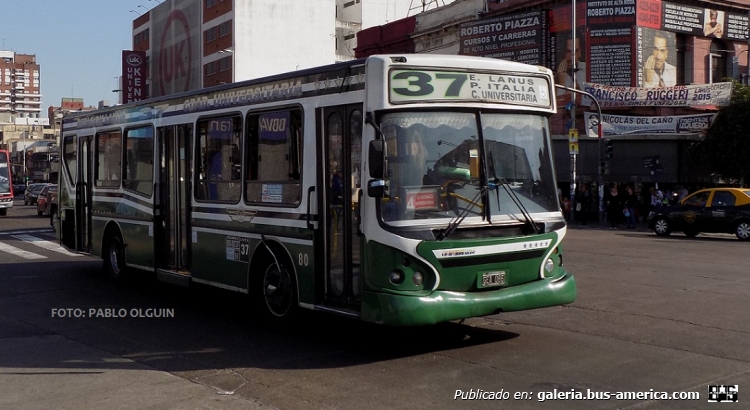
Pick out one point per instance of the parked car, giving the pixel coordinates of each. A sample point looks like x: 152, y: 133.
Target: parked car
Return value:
x: 717, y: 210
x: 32, y: 192
x: 43, y: 199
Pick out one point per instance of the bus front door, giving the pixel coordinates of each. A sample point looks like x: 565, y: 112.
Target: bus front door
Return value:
x: 342, y: 146
x: 172, y: 202
x: 84, y: 182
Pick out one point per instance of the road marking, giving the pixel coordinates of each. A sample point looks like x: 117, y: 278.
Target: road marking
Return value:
x: 43, y: 243
x: 20, y: 252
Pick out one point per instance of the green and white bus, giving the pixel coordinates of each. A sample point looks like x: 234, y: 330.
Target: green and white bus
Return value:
x: 397, y: 189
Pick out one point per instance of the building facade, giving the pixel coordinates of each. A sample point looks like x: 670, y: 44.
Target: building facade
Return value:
x: 20, y: 96
x: 662, y: 49
x: 191, y: 44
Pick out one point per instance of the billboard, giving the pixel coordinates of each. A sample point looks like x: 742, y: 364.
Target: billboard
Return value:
x: 176, y: 40
x: 656, y: 58
x: 133, y: 76
x: 610, y: 29
x: 516, y: 37
x: 695, y: 21
x: 562, y: 47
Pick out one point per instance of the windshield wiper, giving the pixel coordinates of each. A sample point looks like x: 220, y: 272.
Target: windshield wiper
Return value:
x: 453, y: 224
x: 517, y: 201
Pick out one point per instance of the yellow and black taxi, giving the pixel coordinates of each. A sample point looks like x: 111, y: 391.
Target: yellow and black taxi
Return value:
x: 716, y: 210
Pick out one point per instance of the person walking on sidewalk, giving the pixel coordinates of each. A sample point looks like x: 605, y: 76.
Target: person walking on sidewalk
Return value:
x: 631, y: 201
x: 583, y: 203
x: 615, y: 205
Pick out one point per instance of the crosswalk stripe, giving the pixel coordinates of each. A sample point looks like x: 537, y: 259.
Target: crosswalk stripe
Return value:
x: 20, y: 252
x: 44, y: 244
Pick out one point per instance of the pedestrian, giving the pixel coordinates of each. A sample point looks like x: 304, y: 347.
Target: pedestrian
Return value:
x: 631, y: 202
x: 657, y: 198
x: 583, y: 202
x: 566, y: 208
x: 614, y: 206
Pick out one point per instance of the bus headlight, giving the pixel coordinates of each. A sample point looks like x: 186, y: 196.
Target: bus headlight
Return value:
x: 396, y: 277
x: 418, y: 278
x: 549, y: 265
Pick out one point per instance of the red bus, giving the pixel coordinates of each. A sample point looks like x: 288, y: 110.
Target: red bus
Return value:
x: 6, y: 184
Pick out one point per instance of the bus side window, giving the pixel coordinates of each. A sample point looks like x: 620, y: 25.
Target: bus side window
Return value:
x: 217, y: 175
x: 274, y: 157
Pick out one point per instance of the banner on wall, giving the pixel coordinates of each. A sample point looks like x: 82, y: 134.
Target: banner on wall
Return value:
x: 696, y: 21
x: 632, y: 125
x: 700, y: 95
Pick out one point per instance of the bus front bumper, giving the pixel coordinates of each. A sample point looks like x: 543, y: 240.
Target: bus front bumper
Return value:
x: 441, y: 306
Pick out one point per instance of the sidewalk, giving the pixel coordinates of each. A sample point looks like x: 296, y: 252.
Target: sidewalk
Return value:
x: 640, y: 226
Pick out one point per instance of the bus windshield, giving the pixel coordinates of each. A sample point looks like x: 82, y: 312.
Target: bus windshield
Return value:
x: 4, y: 173
x: 438, y: 163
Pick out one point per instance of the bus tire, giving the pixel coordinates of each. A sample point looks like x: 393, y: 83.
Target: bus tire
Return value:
x: 278, y: 290
x: 114, y: 257
x: 54, y: 219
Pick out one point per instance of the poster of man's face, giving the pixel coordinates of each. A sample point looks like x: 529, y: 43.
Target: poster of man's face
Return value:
x: 656, y: 58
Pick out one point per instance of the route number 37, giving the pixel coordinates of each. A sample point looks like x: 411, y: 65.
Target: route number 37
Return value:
x: 421, y: 84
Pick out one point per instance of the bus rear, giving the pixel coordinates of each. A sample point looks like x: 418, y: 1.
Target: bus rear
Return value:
x: 6, y: 183
x: 462, y: 217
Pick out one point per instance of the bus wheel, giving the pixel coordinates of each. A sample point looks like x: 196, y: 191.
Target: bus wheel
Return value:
x: 279, y: 292
x: 54, y: 219
x: 114, y: 258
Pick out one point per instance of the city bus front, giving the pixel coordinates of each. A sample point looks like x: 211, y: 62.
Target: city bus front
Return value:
x: 463, y: 217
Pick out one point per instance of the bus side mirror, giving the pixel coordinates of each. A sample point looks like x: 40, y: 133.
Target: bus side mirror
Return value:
x: 375, y: 159
x: 376, y: 188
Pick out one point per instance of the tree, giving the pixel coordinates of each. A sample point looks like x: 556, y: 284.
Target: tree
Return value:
x: 725, y: 150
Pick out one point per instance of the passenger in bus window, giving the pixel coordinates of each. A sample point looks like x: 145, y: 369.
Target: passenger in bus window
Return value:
x: 337, y: 197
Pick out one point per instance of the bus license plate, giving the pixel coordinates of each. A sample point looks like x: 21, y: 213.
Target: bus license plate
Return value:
x: 490, y: 279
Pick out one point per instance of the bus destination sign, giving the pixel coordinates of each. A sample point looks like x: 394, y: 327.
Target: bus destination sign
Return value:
x: 411, y: 86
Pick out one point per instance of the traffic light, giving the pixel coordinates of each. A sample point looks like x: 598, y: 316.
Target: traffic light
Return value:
x: 608, y: 154
x: 604, y: 167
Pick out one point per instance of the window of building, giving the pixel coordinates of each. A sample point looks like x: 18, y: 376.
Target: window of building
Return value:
x: 225, y: 64
x: 211, y: 68
x: 108, y: 159
x: 139, y: 160
x: 211, y: 34
x: 218, y: 159
x: 684, y: 64
x: 225, y: 28
x: 274, y: 160
x: 718, y: 62
x: 210, y: 3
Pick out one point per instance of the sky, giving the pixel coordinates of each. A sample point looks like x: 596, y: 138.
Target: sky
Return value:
x: 77, y: 43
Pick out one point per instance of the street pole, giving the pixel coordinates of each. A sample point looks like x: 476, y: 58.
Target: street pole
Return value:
x: 23, y: 177
x: 600, y: 176
x: 574, y: 68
